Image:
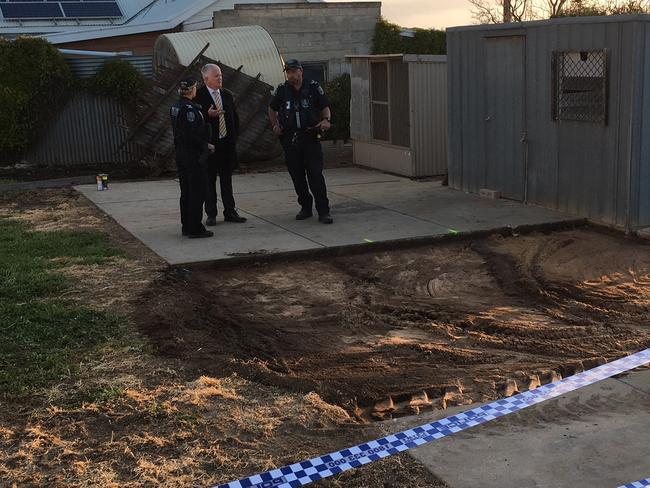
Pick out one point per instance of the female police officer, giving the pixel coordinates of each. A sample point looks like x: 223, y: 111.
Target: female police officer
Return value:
x: 191, y: 136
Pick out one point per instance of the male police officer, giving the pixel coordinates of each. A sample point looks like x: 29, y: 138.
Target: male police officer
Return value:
x: 299, y: 112
x: 191, y: 136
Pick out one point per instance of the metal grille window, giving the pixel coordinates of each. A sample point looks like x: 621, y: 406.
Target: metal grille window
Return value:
x: 580, y: 86
x: 380, y: 111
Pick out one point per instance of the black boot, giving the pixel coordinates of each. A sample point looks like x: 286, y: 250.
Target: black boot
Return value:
x: 304, y: 214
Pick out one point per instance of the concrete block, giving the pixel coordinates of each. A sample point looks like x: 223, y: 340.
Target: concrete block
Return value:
x: 293, y: 13
x: 485, y: 192
x: 508, y: 388
x: 291, y: 39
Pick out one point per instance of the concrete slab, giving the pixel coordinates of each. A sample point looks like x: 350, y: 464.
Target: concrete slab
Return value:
x: 254, y: 237
x: 449, y: 208
x: 356, y: 221
x: 595, y: 437
x: 367, y: 206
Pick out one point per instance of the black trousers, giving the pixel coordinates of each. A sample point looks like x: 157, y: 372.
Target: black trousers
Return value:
x: 304, y: 159
x: 191, y: 177
x: 220, y: 164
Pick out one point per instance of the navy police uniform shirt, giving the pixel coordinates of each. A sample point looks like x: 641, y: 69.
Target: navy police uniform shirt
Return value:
x: 190, y: 133
x: 299, y: 109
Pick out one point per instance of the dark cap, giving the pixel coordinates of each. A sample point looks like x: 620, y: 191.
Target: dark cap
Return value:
x: 187, y: 83
x: 292, y: 64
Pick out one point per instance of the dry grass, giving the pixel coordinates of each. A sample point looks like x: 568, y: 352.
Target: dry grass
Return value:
x: 131, y: 419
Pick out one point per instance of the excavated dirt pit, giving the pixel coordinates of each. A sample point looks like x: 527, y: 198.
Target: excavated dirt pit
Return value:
x: 393, y: 333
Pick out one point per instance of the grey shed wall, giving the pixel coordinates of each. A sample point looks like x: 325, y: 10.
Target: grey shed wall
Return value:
x: 644, y: 134
x: 418, y: 108
x: 428, y: 86
x: 589, y: 169
x: 360, y: 99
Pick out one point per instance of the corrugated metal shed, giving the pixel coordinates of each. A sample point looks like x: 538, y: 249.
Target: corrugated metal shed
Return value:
x: 88, y: 66
x: 88, y: 131
x: 249, y: 46
x: 398, y: 113
x: 428, y: 83
x: 504, y: 133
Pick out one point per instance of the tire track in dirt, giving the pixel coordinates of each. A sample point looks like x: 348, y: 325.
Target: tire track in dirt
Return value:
x: 390, y: 333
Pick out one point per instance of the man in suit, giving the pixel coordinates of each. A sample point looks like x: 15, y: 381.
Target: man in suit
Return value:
x: 218, y: 107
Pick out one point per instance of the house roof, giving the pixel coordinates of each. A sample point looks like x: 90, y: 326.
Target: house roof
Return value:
x: 139, y: 16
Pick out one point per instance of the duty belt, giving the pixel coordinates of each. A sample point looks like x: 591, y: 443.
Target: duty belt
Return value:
x: 310, y: 131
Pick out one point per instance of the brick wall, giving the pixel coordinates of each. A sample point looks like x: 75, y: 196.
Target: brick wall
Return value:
x: 140, y: 44
x: 311, y: 32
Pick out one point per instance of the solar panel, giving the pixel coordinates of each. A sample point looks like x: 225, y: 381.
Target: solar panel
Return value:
x: 31, y: 10
x: 91, y: 9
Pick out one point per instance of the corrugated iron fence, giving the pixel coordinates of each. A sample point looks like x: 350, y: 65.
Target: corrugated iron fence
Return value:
x: 89, y: 130
x: 87, y: 66
x: 93, y: 130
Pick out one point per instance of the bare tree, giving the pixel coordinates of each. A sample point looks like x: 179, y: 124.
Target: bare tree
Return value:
x: 554, y: 7
x: 617, y: 7
x: 498, y: 11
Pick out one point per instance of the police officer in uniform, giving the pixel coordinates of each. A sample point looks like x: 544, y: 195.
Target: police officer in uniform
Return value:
x: 191, y: 136
x: 299, y: 113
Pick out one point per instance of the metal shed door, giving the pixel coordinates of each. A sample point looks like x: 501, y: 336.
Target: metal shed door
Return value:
x: 505, y: 99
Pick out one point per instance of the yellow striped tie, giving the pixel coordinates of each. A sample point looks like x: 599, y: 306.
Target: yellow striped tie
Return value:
x: 222, y: 119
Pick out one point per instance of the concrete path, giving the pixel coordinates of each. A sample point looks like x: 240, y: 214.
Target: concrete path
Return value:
x: 366, y: 206
x: 595, y: 437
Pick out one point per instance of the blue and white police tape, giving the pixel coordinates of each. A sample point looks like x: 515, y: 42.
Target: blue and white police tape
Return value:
x: 315, y: 469
x: 637, y: 484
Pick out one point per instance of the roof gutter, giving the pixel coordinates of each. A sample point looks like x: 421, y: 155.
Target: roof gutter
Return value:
x: 77, y: 52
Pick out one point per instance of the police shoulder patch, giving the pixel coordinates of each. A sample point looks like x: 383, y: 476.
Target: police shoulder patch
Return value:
x: 191, y: 116
x: 175, y: 110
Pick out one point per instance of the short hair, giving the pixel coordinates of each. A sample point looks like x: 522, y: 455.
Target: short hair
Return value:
x: 209, y: 67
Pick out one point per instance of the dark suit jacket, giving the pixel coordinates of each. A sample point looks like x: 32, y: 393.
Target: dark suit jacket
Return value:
x: 204, y: 99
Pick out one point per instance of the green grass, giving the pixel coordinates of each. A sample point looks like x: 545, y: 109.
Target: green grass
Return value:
x: 45, y: 338
x: 7, y: 181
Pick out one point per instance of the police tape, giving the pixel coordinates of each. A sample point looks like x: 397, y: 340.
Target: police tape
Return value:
x: 303, y: 473
x: 637, y: 484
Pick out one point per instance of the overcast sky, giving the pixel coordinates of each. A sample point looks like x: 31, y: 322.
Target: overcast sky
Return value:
x: 427, y: 13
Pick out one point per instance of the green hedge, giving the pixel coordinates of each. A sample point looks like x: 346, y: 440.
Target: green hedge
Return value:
x: 34, y: 83
x: 118, y: 79
x: 339, y: 91
x: 387, y: 40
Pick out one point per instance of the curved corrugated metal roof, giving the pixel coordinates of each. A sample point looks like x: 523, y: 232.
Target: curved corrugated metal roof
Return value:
x: 250, y: 46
